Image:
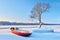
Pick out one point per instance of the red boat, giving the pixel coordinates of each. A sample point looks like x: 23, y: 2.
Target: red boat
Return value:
x: 20, y: 33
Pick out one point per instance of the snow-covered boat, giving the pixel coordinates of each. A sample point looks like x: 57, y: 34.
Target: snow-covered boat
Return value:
x: 20, y: 32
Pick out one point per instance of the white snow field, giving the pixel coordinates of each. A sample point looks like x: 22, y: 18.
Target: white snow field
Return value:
x: 34, y: 36
x: 45, y: 33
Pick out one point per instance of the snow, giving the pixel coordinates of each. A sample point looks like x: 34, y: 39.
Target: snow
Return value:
x: 37, y: 34
x: 34, y: 36
x: 43, y: 30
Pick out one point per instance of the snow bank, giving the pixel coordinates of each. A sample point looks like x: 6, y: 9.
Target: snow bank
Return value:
x: 43, y: 30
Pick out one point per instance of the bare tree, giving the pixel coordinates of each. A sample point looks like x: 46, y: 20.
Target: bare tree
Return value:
x: 37, y: 10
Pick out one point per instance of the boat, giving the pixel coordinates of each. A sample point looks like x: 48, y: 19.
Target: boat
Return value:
x: 24, y: 33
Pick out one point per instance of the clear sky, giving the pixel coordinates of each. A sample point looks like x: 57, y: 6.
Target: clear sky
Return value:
x: 19, y: 10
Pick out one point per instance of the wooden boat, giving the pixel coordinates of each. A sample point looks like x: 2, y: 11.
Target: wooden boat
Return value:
x: 21, y: 32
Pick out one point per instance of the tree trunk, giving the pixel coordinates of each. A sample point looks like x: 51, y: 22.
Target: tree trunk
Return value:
x: 40, y: 20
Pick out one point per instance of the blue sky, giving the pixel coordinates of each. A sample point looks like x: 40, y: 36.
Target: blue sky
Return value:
x: 19, y: 10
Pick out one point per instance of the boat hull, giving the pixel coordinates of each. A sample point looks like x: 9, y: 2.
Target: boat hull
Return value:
x: 21, y: 33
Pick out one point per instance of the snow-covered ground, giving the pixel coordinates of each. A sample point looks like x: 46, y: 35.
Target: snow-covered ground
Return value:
x: 34, y: 36
x: 56, y: 28
x: 5, y: 34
